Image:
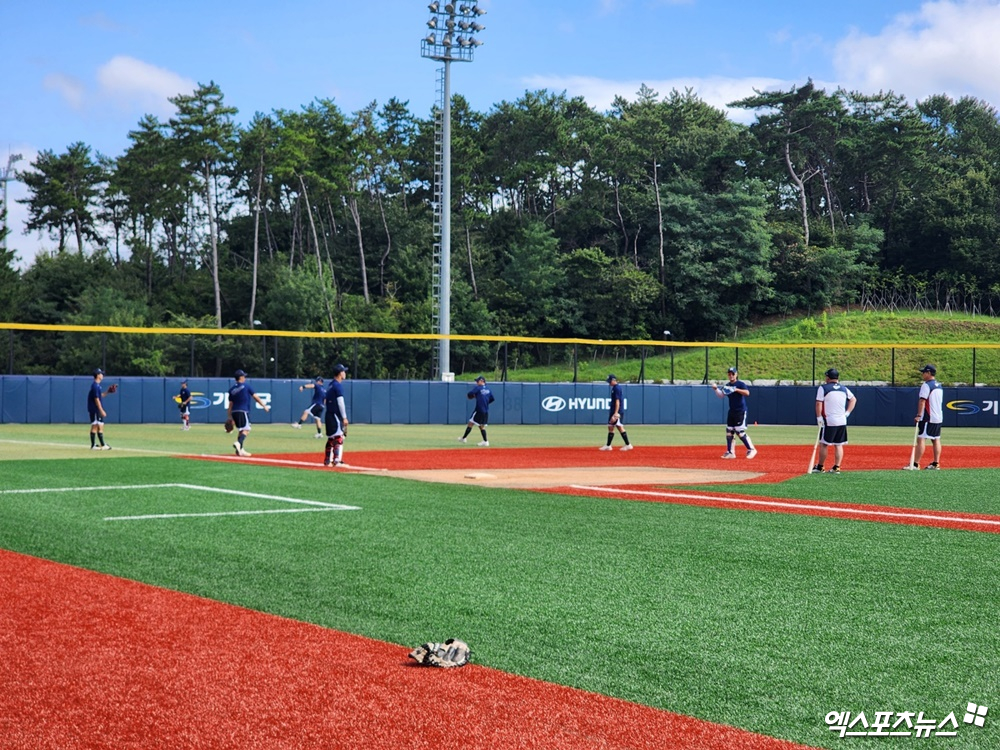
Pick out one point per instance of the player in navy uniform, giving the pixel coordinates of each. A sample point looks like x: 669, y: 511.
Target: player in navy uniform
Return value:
x: 95, y: 408
x: 834, y: 404
x: 185, y: 405
x: 336, y: 419
x: 240, y: 396
x: 616, y: 415
x: 315, y: 408
x: 930, y: 415
x: 736, y: 420
x: 481, y: 414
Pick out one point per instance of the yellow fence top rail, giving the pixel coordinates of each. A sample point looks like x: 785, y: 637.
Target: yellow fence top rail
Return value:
x: 43, y: 327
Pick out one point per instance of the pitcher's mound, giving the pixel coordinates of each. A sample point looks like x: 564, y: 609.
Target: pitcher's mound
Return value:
x: 591, y: 475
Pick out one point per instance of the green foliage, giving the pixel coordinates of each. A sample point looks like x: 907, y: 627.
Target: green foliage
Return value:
x: 660, y: 213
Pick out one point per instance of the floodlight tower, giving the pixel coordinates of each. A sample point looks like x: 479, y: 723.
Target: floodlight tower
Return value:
x: 451, y: 39
x: 6, y: 176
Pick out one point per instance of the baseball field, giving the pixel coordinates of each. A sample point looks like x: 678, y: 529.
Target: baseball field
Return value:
x: 167, y: 593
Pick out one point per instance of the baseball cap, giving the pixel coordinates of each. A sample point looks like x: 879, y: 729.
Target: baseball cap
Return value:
x: 239, y: 374
x: 832, y: 373
x: 929, y: 368
x: 733, y: 370
x: 337, y: 369
x: 319, y: 378
x: 480, y: 378
x: 612, y: 377
x: 98, y: 371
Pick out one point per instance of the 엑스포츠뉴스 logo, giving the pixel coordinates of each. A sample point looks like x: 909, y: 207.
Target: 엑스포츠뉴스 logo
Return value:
x: 553, y: 403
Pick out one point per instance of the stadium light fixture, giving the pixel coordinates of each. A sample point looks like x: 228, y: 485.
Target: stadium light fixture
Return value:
x: 445, y: 47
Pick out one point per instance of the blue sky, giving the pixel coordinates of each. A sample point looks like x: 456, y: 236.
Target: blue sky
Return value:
x: 88, y: 71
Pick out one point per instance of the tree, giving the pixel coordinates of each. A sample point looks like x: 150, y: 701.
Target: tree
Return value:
x: 798, y: 130
x: 206, y: 137
x: 63, y: 191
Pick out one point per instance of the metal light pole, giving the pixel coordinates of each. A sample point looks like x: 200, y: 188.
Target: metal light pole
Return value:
x: 6, y: 176
x: 452, y: 26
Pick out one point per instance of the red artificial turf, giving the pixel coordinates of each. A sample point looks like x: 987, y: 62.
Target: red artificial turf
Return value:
x: 88, y: 660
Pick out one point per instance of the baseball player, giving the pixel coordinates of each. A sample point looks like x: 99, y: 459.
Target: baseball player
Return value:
x: 315, y: 408
x: 185, y: 405
x: 929, y: 416
x: 336, y: 419
x: 480, y: 418
x: 736, y: 420
x: 95, y: 408
x: 834, y: 404
x: 616, y: 418
x: 240, y: 396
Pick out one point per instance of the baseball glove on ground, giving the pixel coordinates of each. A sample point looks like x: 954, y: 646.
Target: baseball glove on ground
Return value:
x: 230, y: 425
x: 113, y: 388
x: 451, y: 653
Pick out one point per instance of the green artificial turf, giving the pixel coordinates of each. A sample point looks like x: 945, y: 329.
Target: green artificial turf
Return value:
x: 759, y: 620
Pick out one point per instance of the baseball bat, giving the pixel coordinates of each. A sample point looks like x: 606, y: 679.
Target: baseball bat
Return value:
x: 913, y: 449
x: 812, y: 459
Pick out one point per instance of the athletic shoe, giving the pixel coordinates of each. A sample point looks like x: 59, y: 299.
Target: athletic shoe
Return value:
x: 338, y: 462
x: 627, y: 447
x: 318, y: 435
x: 462, y: 440
x: 245, y: 453
x: 95, y: 447
x: 911, y: 467
x: 326, y: 463
x: 604, y: 448
x: 238, y: 447
x: 296, y: 425
x: 729, y: 454
x: 483, y: 443
x: 932, y: 467
x: 751, y: 453
x: 105, y: 447
x: 834, y: 470
x: 817, y: 469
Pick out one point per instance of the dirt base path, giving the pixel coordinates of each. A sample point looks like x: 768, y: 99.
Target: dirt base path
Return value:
x: 93, y: 661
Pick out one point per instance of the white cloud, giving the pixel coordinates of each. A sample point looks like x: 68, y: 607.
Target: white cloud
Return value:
x: 137, y: 85
x: 948, y: 46
x: 69, y: 88
x: 716, y: 90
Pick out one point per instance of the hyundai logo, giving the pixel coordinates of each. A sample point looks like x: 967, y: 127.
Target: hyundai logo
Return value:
x: 553, y: 403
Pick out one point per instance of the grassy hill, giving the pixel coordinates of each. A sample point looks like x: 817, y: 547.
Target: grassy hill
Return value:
x: 864, y: 346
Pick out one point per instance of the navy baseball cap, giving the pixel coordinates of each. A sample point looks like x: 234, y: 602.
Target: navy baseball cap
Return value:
x: 733, y: 370
x: 239, y: 374
x: 98, y: 371
x: 319, y: 379
x: 337, y: 369
x: 612, y: 377
x: 832, y: 374
x: 480, y: 378
x: 929, y: 368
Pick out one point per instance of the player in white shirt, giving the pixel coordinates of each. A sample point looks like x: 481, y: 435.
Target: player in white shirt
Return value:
x: 930, y: 415
x: 834, y: 404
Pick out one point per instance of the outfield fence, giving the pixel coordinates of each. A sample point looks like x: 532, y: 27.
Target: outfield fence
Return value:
x: 39, y: 349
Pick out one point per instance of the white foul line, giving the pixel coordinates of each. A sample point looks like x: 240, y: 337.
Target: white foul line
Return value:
x: 198, y: 488
x: 794, y: 506
x: 227, y: 513
x: 290, y: 462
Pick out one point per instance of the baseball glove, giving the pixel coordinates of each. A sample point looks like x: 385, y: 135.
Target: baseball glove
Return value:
x: 113, y: 388
x: 451, y: 653
x: 230, y: 425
